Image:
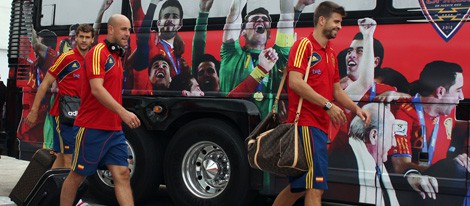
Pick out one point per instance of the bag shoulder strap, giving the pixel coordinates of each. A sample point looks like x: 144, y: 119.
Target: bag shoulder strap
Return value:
x: 283, y: 80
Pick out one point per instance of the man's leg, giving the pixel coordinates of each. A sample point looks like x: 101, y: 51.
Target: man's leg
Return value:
x: 122, y: 184
x: 67, y: 160
x: 70, y: 188
x: 313, y: 197
x: 286, y: 197
x: 59, y: 161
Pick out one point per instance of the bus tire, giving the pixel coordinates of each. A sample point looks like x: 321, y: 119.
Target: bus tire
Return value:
x: 145, y: 158
x: 205, y: 164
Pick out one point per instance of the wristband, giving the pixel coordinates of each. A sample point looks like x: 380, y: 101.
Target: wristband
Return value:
x: 411, y: 171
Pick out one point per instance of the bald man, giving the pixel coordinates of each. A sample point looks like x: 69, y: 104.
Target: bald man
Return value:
x: 100, y: 140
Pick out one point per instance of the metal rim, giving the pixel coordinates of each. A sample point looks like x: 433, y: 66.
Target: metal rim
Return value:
x: 205, y: 170
x: 105, y: 175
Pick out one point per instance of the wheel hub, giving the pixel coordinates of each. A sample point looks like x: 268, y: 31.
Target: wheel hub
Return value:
x: 206, y: 169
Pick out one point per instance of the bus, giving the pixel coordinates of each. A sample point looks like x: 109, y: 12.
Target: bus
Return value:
x: 195, y: 78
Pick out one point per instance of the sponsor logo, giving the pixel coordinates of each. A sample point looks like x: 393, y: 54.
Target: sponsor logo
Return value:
x: 400, y: 127
x: 446, y: 16
x: 72, y: 114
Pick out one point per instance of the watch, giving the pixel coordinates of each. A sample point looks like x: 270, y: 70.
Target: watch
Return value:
x: 328, y: 105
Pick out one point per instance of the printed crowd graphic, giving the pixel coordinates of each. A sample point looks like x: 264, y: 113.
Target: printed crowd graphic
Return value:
x: 410, y: 80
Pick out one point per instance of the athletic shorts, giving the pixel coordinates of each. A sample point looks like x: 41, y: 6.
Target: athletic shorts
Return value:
x: 314, y: 141
x: 94, y: 149
x: 64, y: 137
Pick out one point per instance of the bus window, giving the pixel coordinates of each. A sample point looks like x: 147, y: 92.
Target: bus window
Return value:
x: 405, y: 4
x: 273, y: 6
x: 64, y: 12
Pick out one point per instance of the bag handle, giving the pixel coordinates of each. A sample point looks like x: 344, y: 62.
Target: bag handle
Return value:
x: 281, y: 85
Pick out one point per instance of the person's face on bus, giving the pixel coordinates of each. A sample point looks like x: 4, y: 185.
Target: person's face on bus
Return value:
x: 195, y: 90
x: 120, y: 31
x: 207, y: 76
x: 451, y: 97
x: 84, y: 40
x: 160, y: 74
x: 386, y: 143
x: 353, y: 57
x: 72, y: 35
x: 169, y: 22
x: 257, y: 29
x: 332, y: 25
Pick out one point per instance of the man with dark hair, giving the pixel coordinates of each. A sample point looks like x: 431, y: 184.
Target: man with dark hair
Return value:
x: 159, y: 73
x: 204, y: 66
x: 149, y: 44
x: 207, y: 73
x: 426, y: 124
x: 67, y: 70
x: 252, y: 70
x: 100, y: 140
x: 186, y: 85
x: 321, y: 87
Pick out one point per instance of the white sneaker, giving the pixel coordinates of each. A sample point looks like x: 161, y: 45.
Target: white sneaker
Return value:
x: 82, y: 203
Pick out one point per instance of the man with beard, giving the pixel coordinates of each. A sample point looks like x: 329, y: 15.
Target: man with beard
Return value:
x: 150, y: 44
x: 321, y: 87
x: 159, y: 73
x: 67, y: 70
x: 252, y: 71
x: 207, y: 73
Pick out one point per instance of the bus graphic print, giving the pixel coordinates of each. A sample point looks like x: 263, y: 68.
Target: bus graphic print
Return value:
x: 446, y: 16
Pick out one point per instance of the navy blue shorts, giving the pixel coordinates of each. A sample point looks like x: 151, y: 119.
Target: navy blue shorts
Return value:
x: 64, y: 137
x: 314, y: 141
x: 97, y: 148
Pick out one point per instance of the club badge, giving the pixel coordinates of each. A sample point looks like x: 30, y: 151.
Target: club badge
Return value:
x: 445, y: 16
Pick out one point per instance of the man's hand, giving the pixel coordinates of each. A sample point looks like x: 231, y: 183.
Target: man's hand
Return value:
x: 106, y: 4
x: 31, y: 118
x: 267, y: 58
x: 463, y: 160
x: 367, y: 26
x: 205, y: 5
x: 301, y: 4
x: 337, y: 115
x: 423, y: 184
x: 364, y: 115
x: 390, y: 96
x: 130, y: 119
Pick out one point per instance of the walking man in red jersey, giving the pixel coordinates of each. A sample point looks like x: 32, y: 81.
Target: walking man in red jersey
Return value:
x: 320, y: 89
x: 67, y: 71
x: 100, y: 140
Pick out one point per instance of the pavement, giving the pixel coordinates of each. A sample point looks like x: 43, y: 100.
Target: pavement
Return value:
x: 11, y: 170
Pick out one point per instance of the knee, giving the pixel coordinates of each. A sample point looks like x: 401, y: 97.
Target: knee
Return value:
x: 121, y: 174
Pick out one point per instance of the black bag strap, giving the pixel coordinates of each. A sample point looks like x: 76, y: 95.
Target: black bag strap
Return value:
x: 281, y: 85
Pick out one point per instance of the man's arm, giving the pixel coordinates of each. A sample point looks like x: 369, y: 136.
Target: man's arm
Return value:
x: 43, y: 87
x: 200, y: 32
x: 286, y: 18
x: 267, y: 59
x: 301, y: 88
x: 357, y: 89
x: 39, y: 48
x: 343, y: 99
x: 103, y: 96
x: 233, y: 23
x: 97, y: 25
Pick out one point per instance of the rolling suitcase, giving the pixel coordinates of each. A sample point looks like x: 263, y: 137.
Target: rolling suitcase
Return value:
x: 40, y: 185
